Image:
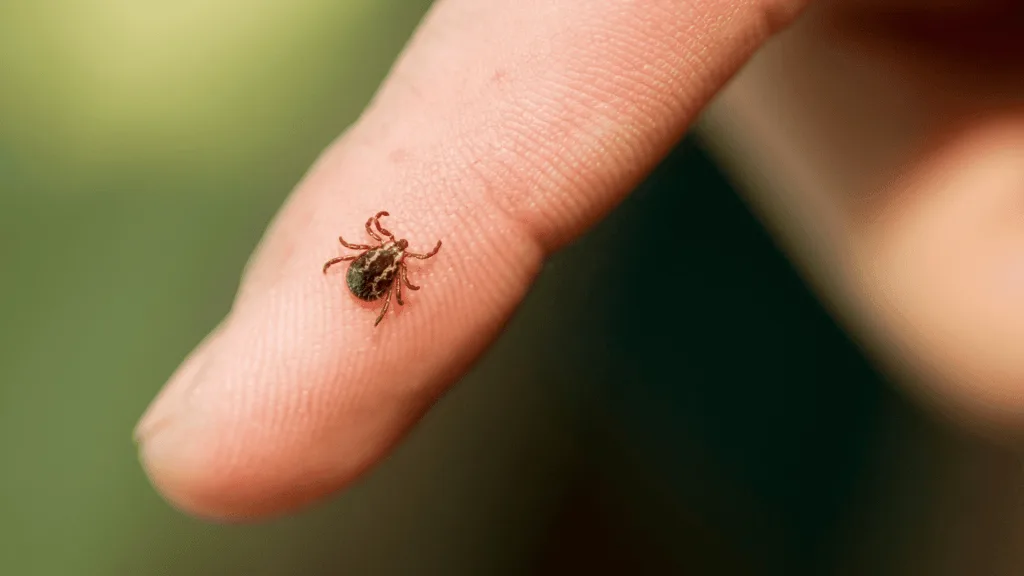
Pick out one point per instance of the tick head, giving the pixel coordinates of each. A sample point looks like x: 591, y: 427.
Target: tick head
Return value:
x: 402, y: 244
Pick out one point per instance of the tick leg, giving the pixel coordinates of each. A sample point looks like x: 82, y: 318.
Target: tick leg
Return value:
x: 384, y: 310
x: 370, y: 231
x: 398, y: 291
x: 405, y: 278
x: 354, y: 246
x: 376, y: 221
x: 427, y: 255
x: 334, y: 261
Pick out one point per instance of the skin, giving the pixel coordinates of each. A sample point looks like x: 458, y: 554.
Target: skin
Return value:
x: 508, y: 128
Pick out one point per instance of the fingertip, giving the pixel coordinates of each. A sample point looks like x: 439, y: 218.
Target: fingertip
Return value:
x: 216, y: 494
x: 207, y: 470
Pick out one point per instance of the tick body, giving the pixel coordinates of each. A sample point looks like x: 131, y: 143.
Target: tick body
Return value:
x: 378, y: 271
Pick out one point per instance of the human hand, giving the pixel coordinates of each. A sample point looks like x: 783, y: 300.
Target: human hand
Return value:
x: 506, y: 130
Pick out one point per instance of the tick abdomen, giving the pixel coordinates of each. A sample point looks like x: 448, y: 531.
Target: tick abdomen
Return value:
x: 370, y: 276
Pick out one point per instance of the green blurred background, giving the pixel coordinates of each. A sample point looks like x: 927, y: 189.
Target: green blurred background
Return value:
x: 143, y: 149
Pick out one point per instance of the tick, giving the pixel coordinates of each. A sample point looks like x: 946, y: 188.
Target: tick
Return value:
x: 379, y: 270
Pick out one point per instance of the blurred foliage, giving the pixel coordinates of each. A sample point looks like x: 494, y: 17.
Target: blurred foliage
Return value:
x: 143, y: 148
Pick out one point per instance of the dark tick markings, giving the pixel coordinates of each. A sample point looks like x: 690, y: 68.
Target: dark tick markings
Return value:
x: 379, y: 270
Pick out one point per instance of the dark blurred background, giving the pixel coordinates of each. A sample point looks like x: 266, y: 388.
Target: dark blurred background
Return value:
x: 714, y: 422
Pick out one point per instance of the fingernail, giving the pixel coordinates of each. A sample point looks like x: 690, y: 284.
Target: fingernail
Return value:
x: 170, y: 402
x: 173, y: 399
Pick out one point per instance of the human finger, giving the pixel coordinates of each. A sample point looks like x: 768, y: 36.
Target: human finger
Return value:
x: 506, y: 129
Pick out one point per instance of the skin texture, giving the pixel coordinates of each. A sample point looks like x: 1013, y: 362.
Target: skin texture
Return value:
x: 507, y: 128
